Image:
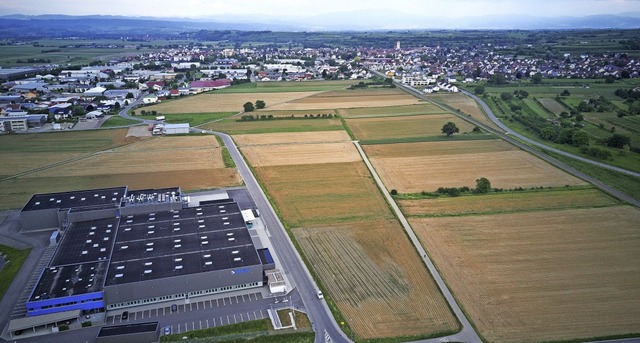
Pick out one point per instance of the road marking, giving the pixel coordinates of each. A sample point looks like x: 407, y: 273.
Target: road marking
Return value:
x: 164, y: 309
x: 234, y: 319
x: 255, y: 317
x: 200, y: 321
x: 242, y: 320
x: 197, y: 306
x: 217, y: 303
x: 223, y: 302
x: 228, y: 321
x: 210, y: 303
x: 190, y: 306
x: 142, y: 314
x: 207, y: 323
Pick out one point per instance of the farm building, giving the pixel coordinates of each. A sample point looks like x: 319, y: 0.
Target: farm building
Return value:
x: 150, y: 99
x: 174, y: 129
x: 121, y: 248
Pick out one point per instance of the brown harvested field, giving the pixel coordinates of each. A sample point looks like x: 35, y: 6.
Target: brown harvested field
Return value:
x: 193, y: 162
x: 553, y: 106
x: 226, y: 102
x: 292, y: 137
x: 350, y: 99
x: 330, y: 193
x: 507, y: 202
x: 161, y: 154
x: 296, y: 154
x: 505, y: 169
x: 541, y: 276
x: 465, y: 104
x: 376, y: 279
x: 404, y: 127
x: 389, y: 111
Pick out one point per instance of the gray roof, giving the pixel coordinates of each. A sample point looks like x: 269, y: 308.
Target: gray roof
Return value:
x: 82, y: 198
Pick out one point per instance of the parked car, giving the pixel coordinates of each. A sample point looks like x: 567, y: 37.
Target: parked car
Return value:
x: 174, y: 308
x: 125, y: 315
x: 167, y: 330
x: 319, y: 294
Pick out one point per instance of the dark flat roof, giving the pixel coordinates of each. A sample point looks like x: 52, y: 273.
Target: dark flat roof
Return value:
x: 88, y: 241
x: 57, y: 282
x: 127, y: 329
x: 187, y: 241
x: 81, y: 198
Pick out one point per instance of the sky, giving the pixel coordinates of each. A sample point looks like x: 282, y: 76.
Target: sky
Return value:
x: 306, y: 8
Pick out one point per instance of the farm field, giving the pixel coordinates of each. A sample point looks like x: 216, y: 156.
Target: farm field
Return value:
x: 332, y: 198
x: 193, y: 119
x: 370, y: 272
x: 291, y: 137
x: 390, y: 111
x: 541, y: 276
x: 234, y: 127
x: 193, y: 162
x: 553, y: 106
x: 465, y: 104
x: 350, y: 99
x: 506, y: 202
x: 404, y: 127
x: 506, y: 168
x: 214, y: 102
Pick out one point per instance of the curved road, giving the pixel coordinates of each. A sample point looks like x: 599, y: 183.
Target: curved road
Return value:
x: 507, y: 130
x: 506, y: 136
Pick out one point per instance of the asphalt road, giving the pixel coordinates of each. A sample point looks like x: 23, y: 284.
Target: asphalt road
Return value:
x: 507, y: 137
x: 468, y: 333
x: 507, y: 130
x: 321, y: 318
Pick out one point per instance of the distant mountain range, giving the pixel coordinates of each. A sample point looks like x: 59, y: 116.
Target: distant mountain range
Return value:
x: 51, y: 25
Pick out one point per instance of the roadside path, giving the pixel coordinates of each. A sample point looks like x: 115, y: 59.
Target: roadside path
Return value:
x: 509, y: 131
x: 468, y: 333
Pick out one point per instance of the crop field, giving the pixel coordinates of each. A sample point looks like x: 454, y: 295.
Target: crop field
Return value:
x: 214, y: 102
x: 507, y: 168
x: 234, y: 127
x: 541, y: 276
x: 192, y: 163
x: 507, y: 202
x: 404, y: 127
x: 553, y: 106
x: 20, y: 153
x: 350, y: 99
x: 375, y: 278
x: 389, y: 111
x: 463, y: 103
x: 291, y: 137
x: 324, y: 193
x: 295, y: 154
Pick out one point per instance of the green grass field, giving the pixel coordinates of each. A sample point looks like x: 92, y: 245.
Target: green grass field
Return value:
x: 118, y: 121
x: 15, y: 258
x: 234, y: 127
x: 194, y: 119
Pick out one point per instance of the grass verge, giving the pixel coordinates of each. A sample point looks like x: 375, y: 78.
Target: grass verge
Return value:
x: 226, y: 156
x: 627, y: 184
x: 118, y: 121
x: 14, y: 259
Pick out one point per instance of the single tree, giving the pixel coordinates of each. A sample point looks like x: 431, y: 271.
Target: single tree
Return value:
x: 565, y: 93
x: 579, y: 138
x: 483, y: 185
x: 618, y: 141
x: 248, y: 106
x: 536, y: 78
x: 450, y: 128
x: 260, y: 104
x: 129, y: 95
x: 479, y: 90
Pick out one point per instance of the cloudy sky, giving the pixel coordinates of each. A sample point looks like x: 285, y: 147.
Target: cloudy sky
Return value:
x: 206, y: 8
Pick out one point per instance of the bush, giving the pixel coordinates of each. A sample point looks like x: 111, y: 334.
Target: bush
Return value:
x: 63, y: 327
x: 394, y: 192
x: 86, y: 324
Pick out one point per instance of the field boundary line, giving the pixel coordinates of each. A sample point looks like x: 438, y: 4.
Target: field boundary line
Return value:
x: 468, y: 333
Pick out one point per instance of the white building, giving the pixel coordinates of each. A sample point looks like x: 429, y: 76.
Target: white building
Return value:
x: 150, y: 99
x: 175, y: 129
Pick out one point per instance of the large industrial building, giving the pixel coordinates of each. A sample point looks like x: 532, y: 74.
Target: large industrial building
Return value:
x: 118, y: 248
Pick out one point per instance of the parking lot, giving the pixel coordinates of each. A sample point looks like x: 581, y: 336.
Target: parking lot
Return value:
x: 200, y: 314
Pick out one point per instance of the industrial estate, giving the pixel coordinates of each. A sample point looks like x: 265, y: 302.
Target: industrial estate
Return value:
x: 444, y: 189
